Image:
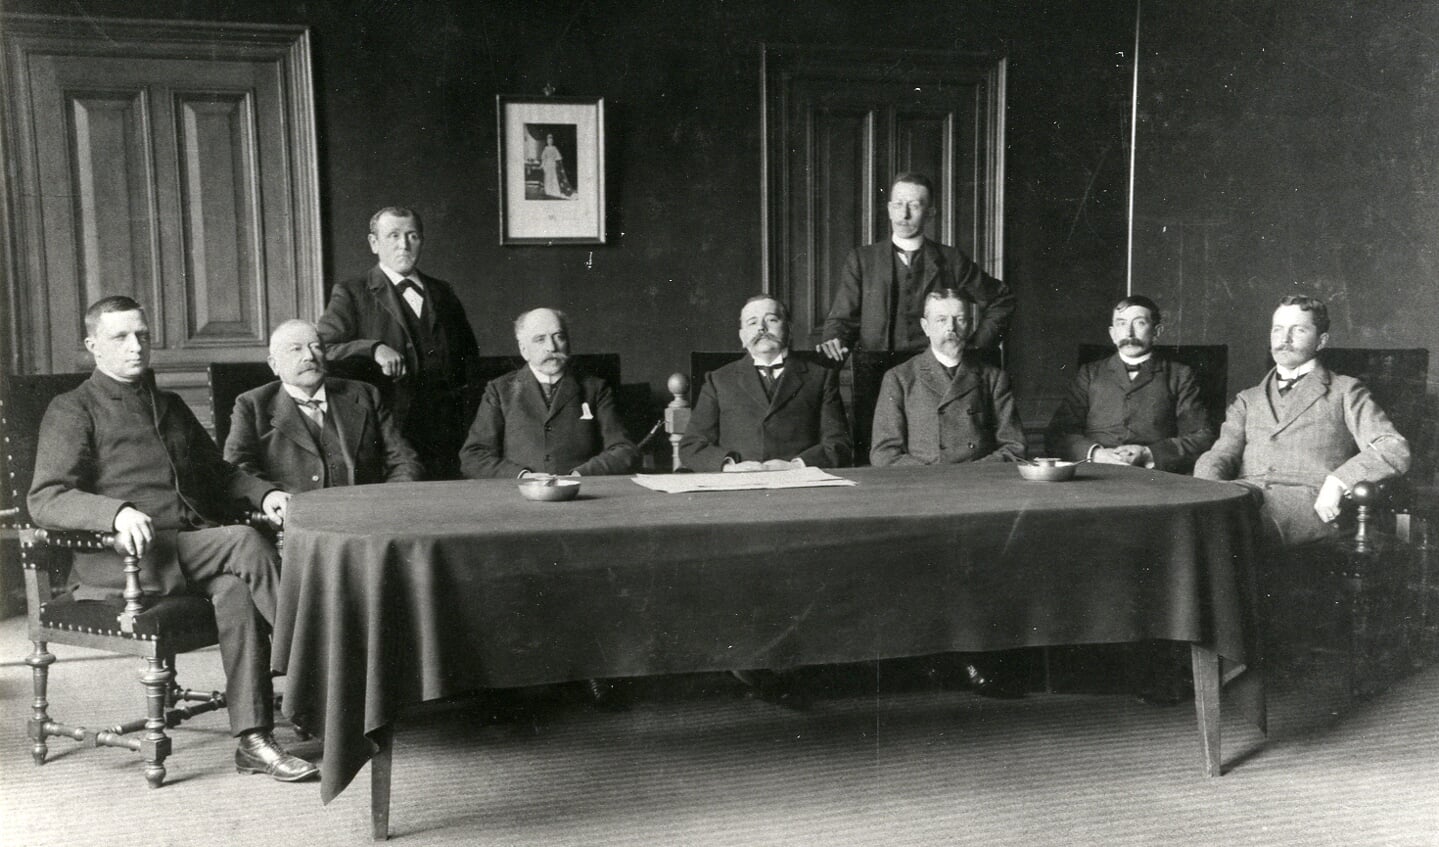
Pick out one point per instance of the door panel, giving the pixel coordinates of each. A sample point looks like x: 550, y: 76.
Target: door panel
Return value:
x: 839, y: 124
x: 187, y: 183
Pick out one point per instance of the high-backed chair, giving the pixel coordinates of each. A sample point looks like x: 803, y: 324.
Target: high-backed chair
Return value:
x: 152, y: 628
x: 867, y: 370
x: 228, y: 380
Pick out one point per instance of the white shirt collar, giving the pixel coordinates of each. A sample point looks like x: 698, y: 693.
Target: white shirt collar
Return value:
x: 396, y: 277
x: 779, y: 359
x: 299, y: 393
x: 1141, y: 360
x: 1286, y: 373
x: 945, y: 360
x: 910, y: 244
x: 545, y: 379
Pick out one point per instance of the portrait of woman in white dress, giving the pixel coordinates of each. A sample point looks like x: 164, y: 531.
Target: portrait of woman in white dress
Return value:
x: 548, y: 161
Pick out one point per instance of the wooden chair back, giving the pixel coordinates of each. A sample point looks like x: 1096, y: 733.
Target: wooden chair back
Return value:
x: 23, y: 401
x: 704, y: 361
x: 228, y: 380
x: 1209, y: 361
x: 1397, y: 379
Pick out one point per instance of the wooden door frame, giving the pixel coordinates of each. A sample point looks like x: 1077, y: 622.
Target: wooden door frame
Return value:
x: 20, y: 219
x: 779, y: 62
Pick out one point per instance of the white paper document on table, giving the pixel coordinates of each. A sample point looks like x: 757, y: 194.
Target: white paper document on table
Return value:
x: 683, y: 483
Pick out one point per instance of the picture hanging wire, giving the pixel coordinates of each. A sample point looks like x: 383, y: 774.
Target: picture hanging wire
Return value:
x: 1133, y: 127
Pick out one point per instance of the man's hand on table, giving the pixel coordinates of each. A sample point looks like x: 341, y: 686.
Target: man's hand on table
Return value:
x: 767, y: 465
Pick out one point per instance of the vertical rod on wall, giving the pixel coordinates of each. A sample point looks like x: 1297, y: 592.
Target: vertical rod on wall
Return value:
x: 1133, y: 127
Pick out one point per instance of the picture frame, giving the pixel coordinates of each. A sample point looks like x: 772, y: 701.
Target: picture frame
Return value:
x: 552, y: 169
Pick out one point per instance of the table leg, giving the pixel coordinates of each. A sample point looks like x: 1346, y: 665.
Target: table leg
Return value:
x: 380, y: 765
x: 1205, y: 663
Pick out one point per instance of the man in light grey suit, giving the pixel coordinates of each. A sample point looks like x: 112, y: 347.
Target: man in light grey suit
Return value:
x: 1304, y: 436
x: 945, y: 406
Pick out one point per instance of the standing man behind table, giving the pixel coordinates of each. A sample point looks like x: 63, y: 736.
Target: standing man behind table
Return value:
x: 118, y: 454
x: 308, y: 430
x: 1135, y: 407
x: 944, y: 405
x: 771, y: 410
x: 413, y: 327
x: 544, y: 418
x: 880, y: 298
x: 1303, y: 436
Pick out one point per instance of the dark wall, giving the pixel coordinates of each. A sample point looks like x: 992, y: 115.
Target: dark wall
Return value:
x: 1290, y: 147
x: 405, y: 95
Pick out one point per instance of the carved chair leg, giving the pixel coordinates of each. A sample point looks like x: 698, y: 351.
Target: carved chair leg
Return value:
x: 39, y: 660
x: 155, y: 745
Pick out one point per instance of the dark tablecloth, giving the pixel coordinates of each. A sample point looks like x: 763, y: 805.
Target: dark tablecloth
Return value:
x: 396, y: 594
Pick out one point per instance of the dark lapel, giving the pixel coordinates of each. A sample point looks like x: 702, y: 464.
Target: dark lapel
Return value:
x: 567, y: 390
x: 938, y: 383
x: 1305, y: 393
x: 1147, y: 372
x: 344, y: 408
x: 749, y: 381
x: 790, y: 382
x: 289, y: 421
x: 389, y: 300
x: 933, y: 264
x: 430, y: 310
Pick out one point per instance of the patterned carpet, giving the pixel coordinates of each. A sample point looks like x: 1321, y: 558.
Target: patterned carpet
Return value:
x: 696, y: 762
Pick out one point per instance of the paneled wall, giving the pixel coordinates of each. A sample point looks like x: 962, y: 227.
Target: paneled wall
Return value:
x: 1279, y: 141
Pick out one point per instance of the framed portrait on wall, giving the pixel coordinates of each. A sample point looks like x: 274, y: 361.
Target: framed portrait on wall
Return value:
x: 552, y: 169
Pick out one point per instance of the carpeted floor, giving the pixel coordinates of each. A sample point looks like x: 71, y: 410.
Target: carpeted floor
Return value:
x: 695, y: 762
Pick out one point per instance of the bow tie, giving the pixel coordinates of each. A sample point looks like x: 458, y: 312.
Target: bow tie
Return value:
x: 1134, y: 368
x: 769, y: 370
x: 312, y: 404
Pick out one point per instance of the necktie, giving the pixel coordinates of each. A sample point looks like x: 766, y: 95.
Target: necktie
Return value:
x: 767, y: 376
x: 413, y: 296
x: 1132, y: 370
x: 907, y: 256
x: 547, y: 390
x: 314, y: 408
x: 1286, y: 384
x: 950, y: 372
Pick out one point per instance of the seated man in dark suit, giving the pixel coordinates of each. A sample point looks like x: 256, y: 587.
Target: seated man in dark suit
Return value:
x: 118, y: 454
x: 544, y: 418
x: 944, y: 405
x: 310, y: 431
x: 1303, y: 436
x: 771, y: 410
x: 1135, y: 407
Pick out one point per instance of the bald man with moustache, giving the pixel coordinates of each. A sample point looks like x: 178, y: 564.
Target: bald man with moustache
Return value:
x: 308, y: 430
x: 545, y: 418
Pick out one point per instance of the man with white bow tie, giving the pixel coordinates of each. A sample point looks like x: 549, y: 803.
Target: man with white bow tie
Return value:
x: 544, y: 418
x: 1304, y: 435
x: 308, y: 430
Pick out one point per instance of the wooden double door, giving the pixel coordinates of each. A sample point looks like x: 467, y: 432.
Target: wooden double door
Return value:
x: 839, y: 125
x: 173, y: 163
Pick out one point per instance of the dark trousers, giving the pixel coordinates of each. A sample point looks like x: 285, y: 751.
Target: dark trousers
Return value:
x: 237, y: 568
x: 436, y: 428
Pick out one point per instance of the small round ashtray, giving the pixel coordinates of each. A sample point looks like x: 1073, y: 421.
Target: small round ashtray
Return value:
x: 1047, y: 470
x: 552, y: 489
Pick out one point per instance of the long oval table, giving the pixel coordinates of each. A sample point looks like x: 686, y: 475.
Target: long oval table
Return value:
x: 393, y: 595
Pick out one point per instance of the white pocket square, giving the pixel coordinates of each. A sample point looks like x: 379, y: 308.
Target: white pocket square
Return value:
x: 585, y: 412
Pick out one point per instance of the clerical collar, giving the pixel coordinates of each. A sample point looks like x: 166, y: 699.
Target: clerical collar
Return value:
x: 945, y: 360
x: 909, y: 244
x: 546, y: 379
x: 1286, y: 373
x: 136, y: 385
x: 1141, y: 360
x: 777, y: 361
x: 396, y: 278
x: 299, y: 393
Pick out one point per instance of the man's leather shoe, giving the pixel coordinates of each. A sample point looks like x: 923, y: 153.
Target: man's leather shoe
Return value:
x: 989, y: 684
x: 258, y: 752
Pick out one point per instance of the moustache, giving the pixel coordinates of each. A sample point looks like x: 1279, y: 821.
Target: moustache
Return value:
x: 1130, y: 342
x: 764, y: 334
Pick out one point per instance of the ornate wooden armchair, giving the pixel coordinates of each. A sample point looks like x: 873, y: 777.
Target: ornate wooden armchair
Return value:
x: 228, y: 380
x: 152, y: 628
x: 1359, y: 600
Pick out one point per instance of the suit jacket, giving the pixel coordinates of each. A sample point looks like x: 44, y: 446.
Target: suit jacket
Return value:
x: 580, y: 431
x: 863, y: 299
x: 924, y: 418
x: 103, y: 446
x: 1332, y: 426
x: 269, y: 439
x: 365, y: 312
x: 734, y: 419
x: 1160, y: 408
